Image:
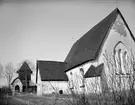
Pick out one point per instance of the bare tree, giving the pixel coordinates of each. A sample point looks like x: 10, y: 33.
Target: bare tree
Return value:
x: 121, y: 78
x: 9, y: 72
x: 1, y: 70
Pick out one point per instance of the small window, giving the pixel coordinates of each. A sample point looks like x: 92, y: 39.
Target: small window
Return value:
x: 71, y: 73
x: 82, y: 78
x: 82, y: 71
x: 71, y: 81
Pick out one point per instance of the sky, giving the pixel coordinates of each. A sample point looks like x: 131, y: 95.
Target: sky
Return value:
x: 46, y: 29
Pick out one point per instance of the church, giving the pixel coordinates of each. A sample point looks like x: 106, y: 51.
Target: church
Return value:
x: 23, y: 82
x: 104, y: 52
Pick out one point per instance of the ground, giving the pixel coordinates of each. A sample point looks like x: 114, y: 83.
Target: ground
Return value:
x: 57, y: 99
x: 32, y: 99
x: 52, y: 99
x: 10, y: 101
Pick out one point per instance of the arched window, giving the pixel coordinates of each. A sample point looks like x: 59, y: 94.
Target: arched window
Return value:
x: 124, y: 58
x: 118, y: 61
x: 125, y: 65
x: 114, y: 57
x: 119, y: 57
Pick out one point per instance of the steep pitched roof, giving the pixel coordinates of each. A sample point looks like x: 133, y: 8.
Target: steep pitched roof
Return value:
x: 52, y: 71
x: 14, y: 80
x: 23, y: 82
x: 88, y: 47
x: 94, y: 71
x: 24, y: 67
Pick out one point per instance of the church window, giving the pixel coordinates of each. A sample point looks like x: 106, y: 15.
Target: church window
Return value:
x: 125, y: 63
x: 71, y: 73
x: 115, y: 61
x: 82, y: 78
x: 119, y: 57
x: 82, y: 71
x: 124, y: 58
x: 71, y: 81
x: 119, y: 61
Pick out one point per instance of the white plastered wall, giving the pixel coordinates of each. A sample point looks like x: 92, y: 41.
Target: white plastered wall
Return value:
x: 50, y: 87
x: 39, y: 84
x: 92, y: 85
x: 17, y: 82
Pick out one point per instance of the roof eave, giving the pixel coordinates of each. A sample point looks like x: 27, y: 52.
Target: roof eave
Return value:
x: 80, y: 64
x: 55, y: 80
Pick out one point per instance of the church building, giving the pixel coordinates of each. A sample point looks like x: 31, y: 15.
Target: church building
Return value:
x: 100, y: 61
x: 105, y: 52
x: 23, y: 82
x: 51, y: 78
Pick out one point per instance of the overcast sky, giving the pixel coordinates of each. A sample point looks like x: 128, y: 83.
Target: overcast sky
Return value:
x: 46, y: 29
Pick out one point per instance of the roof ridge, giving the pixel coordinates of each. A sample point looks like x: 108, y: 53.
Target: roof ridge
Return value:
x: 50, y: 61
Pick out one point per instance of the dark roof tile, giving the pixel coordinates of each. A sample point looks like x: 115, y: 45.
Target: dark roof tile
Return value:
x: 52, y: 70
x: 87, y: 48
x: 25, y: 67
x: 94, y: 71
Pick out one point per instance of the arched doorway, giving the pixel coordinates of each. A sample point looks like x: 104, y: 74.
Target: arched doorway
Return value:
x: 17, y: 88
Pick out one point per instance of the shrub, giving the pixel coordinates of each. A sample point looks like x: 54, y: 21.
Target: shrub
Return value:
x: 5, y: 90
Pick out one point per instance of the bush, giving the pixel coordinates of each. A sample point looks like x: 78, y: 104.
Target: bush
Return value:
x: 5, y: 90
x: 29, y: 90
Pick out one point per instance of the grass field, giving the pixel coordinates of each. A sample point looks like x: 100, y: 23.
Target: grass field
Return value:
x: 31, y: 99
x: 10, y: 101
x: 57, y: 99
